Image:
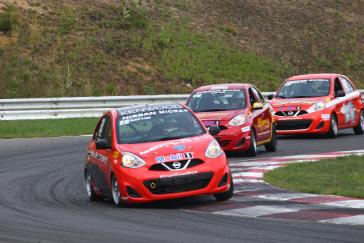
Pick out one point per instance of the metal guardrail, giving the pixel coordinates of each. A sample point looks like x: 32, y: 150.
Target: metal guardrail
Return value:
x: 79, y: 107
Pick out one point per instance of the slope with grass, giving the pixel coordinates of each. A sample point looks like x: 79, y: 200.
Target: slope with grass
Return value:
x: 108, y: 47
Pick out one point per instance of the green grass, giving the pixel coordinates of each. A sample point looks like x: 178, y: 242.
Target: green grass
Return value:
x: 200, y: 59
x: 47, y: 128
x: 342, y: 176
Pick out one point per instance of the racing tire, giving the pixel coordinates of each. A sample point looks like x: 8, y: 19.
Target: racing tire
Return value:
x: 359, y: 129
x: 272, y: 145
x: 89, y: 187
x: 253, y: 150
x: 224, y: 196
x: 333, y: 130
x: 116, y: 196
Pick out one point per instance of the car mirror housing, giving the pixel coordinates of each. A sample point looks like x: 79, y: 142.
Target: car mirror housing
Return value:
x: 257, y: 106
x: 340, y: 93
x: 102, y: 144
x: 214, y: 130
x: 270, y: 97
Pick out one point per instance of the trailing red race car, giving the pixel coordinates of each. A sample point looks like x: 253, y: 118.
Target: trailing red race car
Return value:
x: 318, y: 103
x: 155, y: 152
x: 242, y: 114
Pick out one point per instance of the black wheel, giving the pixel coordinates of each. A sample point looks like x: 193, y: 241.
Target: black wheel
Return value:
x: 116, y: 196
x: 359, y: 129
x: 89, y: 187
x: 224, y: 196
x: 333, y: 130
x: 252, y: 151
x: 272, y: 145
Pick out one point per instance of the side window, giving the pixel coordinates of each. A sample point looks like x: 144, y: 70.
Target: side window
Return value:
x: 258, y: 95
x: 252, y: 97
x: 347, y: 85
x: 337, y: 86
x: 104, y: 130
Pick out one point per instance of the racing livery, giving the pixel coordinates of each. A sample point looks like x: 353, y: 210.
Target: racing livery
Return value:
x: 318, y: 103
x: 154, y: 152
x: 242, y: 114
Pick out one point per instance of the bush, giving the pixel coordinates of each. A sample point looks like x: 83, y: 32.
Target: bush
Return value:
x: 8, y: 19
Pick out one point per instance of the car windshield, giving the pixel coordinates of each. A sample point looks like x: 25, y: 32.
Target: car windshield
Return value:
x: 157, y: 123
x: 217, y: 100
x: 304, y: 88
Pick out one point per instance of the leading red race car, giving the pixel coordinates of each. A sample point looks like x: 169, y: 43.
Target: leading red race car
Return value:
x: 318, y: 103
x: 242, y: 114
x: 155, y: 152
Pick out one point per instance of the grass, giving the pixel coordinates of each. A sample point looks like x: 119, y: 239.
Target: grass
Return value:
x: 343, y: 176
x: 47, y: 128
x: 8, y: 19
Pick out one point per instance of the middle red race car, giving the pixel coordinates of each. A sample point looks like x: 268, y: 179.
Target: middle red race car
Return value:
x: 155, y: 152
x: 241, y: 112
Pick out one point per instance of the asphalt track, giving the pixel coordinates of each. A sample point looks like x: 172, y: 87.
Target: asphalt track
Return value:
x: 42, y: 199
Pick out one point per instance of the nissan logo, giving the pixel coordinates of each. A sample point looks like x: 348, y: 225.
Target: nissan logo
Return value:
x: 177, y: 165
x: 290, y: 113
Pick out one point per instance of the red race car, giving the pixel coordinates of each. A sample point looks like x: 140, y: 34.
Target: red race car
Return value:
x: 318, y: 103
x: 242, y: 114
x: 155, y: 152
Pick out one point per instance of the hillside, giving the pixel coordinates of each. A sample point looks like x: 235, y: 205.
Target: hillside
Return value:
x: 108, y: 47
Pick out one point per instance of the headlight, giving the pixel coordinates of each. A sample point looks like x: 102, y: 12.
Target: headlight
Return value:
x: 213, y: 150
x: 130, y: 160
x: 238, y: 120
x: 317, y: 106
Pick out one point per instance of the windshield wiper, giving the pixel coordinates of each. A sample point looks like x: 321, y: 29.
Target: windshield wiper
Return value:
x: 301, y: 96
x: 171, y: 138
x: 211, y: 110
x: 281, y: 96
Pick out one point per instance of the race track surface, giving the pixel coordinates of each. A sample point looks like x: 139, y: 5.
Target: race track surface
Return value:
x: 42, y: 199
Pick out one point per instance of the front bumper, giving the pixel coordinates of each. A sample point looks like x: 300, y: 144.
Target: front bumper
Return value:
x: 312, y: 123
x: 234, y: 138
x: 145, y: 185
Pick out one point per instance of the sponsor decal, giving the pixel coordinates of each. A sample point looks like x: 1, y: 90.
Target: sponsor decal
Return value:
x: 263, y: 123
x: 210, y: 123
x: 98, y: 156
x: 179, y: 147
x: 349, y: 112
x: 178, y: 174
x: 174, y: 157
x: 142, y: 116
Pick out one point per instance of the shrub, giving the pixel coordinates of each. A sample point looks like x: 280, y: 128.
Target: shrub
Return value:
x: 8, y: 19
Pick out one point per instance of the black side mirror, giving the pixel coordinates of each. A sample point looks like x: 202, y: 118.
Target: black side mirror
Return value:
x: 102, y: 144
x: 340, y: 93
x: 214, y: 130
x: 270, y: 97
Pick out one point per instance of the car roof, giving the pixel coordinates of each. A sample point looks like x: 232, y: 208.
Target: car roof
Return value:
x: 148, y: 107
x: 223, y: 86
x: 314, y: 76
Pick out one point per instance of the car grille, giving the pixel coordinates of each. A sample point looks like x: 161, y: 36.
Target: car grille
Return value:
x: 177, y: 184
x: 161, y: 167
x: 291, y: 113
x: 293, y: 124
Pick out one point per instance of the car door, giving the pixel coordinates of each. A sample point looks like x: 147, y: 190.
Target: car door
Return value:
x: 339, y: 102
x: 101, y: 157
x: 265, y: 119
x: 351, y: 103
x: 261, y: 117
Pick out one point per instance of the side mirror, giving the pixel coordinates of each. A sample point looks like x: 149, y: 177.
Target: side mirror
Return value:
x: 214, y: 130
x: 257, y: 106
x: 102, y: 144
x: 340, y: 93
x: 270, y: 97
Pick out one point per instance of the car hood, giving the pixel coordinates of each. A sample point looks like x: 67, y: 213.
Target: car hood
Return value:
x: 218, y: 115
x: 294, y: 103
x: 150, y: 152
